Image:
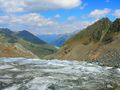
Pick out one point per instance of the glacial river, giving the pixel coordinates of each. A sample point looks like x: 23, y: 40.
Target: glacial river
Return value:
x: 34, y: 74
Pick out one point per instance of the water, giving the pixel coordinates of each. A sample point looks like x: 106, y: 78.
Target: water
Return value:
x: 29, y: 74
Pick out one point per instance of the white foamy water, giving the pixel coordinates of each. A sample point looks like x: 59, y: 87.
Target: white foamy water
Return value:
x: 35, y: 74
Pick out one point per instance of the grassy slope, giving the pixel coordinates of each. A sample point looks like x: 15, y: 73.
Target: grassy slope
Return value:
x: 8, y: 49
x: 92, y: 33
x: 40, y: 50
x: 13, y: 46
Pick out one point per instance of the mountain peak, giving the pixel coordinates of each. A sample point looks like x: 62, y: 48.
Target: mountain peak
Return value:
x: 103, y: 21
x: 5, y: 31
x: 94, y: 32
x: 115, y: 26
x: 30, y: 37
x: 117, y: 19
x: 25, y: 32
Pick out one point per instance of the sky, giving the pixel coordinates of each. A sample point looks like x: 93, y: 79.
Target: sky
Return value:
x: 55, y: 16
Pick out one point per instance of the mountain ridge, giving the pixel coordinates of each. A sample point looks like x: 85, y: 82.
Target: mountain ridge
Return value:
x: 94, y: 44
x: 57, y: 39
x: 29, y: 37
x: 15, y: 44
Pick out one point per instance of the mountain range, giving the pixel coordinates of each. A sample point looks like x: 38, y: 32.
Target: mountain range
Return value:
x: 57, y: 39
x: 23, y: 44
x: 98, y: 42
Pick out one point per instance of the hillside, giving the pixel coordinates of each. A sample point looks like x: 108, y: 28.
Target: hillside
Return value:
x: 27, y: 36
x: 98, y: 42
x: 22, y: 44
x: 9, y: 47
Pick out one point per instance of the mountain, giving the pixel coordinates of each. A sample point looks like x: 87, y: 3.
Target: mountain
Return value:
x: 61, y: 39
x: 49, y: 38
x: 9, y: 46
x: 22, y: 44
x: 57, y: 39
x: 98, y: 42
x: 115, y: 27
x: 27, y: 36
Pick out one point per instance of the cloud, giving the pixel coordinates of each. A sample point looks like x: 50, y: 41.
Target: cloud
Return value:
x: 71, y: 18
x: 107, y: 1
x: 38, y: 24
x: 99, y: 13
x: 37, y: 5
x: 13, y: 6
x: 28, y: 21
x: 35, y: 22
x: 117, y: 13
x: 57, y: 16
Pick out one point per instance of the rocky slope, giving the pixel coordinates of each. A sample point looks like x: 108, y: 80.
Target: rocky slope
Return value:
x: 22, y: 44
x: 98, y: 42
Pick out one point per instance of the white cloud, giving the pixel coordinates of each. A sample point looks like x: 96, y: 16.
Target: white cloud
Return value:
x: 38, y: 24
x: 107, y: 1
x: 37, y: 5
x: 57, y: 16
x: 29, y: 19
x: 71, y: 18
x: 99, y: 13
x: 11, y: 6
x: 117, y: 13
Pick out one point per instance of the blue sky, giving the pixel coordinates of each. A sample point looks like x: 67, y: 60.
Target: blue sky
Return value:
x: 89, y: 6
x: 55, y: 16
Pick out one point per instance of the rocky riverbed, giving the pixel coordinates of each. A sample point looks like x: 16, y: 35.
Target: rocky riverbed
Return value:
x: 35, y: 74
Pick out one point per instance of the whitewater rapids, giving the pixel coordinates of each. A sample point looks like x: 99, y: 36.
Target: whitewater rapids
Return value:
x: 35, y: 74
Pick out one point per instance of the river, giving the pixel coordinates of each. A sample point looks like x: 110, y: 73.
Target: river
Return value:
x: 35, y: 74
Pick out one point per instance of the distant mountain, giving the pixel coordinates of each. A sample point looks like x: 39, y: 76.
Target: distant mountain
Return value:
x: 29, y: 37
x: 61, y: 39
x: 49, y: 38
x: 8, y: 35
x: 56, y: 39
x: 98, y: 42
x: 6, y: 31
x: 22, y: 44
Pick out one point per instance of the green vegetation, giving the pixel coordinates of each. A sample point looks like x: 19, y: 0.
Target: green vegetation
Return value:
x: 99, y: 31
x: 27, y: 40
x: 27, y: 36
x: 115, y: 27
x: 98, y: 42
x: 38, y: 49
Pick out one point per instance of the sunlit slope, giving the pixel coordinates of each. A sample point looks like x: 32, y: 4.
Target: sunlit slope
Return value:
x: 14, y: 45
x: 99, y: 41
